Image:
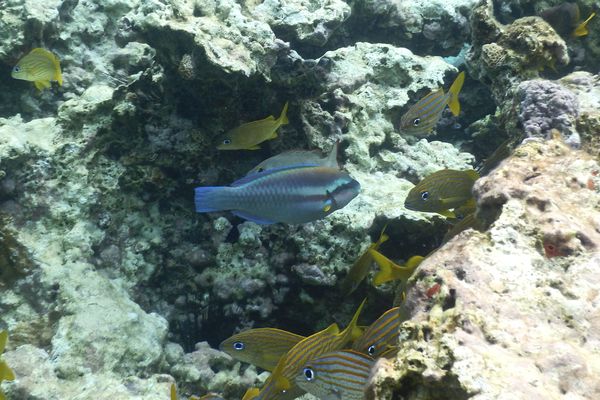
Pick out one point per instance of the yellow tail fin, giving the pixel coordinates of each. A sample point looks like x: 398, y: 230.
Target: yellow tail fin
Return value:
x: 283, y: 119
x: 251, y: 393
x: 383, y: 237
x: 453, y: 103
x: 57, y: 71
x: 353, y: 331
x: 390, y: 271
x: 582, y: 29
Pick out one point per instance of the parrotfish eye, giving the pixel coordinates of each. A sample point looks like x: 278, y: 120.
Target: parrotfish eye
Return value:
x: 226, y: 141
x: 16, y: 68
x: 309, y: 374
x: 416, y: 121
x: 238, y: 346
x: 424, y: 195
x: 371, y: 350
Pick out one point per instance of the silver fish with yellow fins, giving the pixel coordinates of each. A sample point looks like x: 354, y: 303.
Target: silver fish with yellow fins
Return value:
x: 565, y: 18
x: 262, y: 347
x: 381, y: 337
x: 294, y: 157
x: 248, y: 136
x: 292, y: 194
x: 40, y: 67
x: 390, y: 271
x: 339, y: 375
x: 423, y: 116
x: 442, y: 191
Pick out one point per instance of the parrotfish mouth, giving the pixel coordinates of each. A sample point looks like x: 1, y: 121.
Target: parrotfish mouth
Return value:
x: 344, y: 193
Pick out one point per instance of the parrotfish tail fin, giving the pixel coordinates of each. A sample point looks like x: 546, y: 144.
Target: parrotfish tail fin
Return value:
x: 251, y: 393
x: 173, y: 392
x: 57, y: 71
x: 354, y: 330
x: 582, y: 29
x: 209, y: 198
x: 283, y: 119
x: 453, y: 103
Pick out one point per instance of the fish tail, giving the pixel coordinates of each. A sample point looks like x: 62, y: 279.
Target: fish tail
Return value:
x: 251, y: 393
x: 581, y: 29
x: 210, y: 198
x: 385, y: 273
x: 57, y: 71
x: 453, y: 103
x: 283, y: 119
x: 355, y: 330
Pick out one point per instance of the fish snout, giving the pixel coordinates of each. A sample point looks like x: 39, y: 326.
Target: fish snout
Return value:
x: 346, y: 192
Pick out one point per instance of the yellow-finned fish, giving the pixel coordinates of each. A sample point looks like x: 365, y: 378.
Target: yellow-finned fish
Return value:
x: 565, y: 18
x: 390, y: 271
x: 361, y: 267
x: 338, y: 375
x: 6, y: 374
x: 281, y: 384
x: 441, y: 191
x: 422, y: 117
x: 40, y: 67
x: 251, y: 393
x: 262, y: 347
x: 382, y: 335
x: 248, y: 136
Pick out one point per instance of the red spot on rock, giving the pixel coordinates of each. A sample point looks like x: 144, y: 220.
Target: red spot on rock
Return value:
x: 551, y: 250
x: 432, y: 291
x: 590, y: 184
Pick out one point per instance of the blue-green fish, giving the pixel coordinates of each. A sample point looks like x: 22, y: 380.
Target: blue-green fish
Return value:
x: 293, y: 194
x: 339, y: 375
x: 422, y: 117
x: 40, y: 67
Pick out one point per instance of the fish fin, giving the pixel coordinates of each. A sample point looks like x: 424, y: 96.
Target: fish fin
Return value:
x: 447, y: 213
x: 252, y: 177
x: 57, y: 71
x: 383, y: 237
x: 354, y: 331
x: 2, y: 397
x: 251, y: 393
x: 471, y: 173
x: 332, y: 157
x: 173, y: 392
x: 3, y: 340
x: 273, y: 136
x: 255, y: 147
x: 206, y: 200
x: 6, y: 374
x: 41, y: 85
x: 252, y: 218
x: 581, y: 29
x: 454, y: 90
x: 414, y: 262
x: 385, y: 273
x: 283, y: 119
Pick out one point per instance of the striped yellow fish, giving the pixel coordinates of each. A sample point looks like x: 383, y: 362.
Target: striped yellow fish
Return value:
x: 248, y: 136
x: 262, y: 347
x: 40, y: 67
x: 382, y: 335
x: 390, y: 271
x: 281, y: 384
x: 422, y: 117
x: 339, y: 375
x: 361, y: 267
x: 441, y: 191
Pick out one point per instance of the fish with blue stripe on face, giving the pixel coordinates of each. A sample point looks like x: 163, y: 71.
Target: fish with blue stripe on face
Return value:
x: 422, y: 117
x: 293, y: 194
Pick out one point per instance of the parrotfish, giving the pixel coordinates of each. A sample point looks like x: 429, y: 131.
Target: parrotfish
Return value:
x: 565, y: 18
x: 262, y: 347
x: 339, y: 375
x: 382, y: 335
x: 281, y: 384
x: 422, y: 117
x: 441, y: 191
x: 292, y: 194
x: 390, y: 271
x: 6, y: 374
x: 361, y: 267
x: 40, y: 67
x: 248, y: 136
x: 295, y: 157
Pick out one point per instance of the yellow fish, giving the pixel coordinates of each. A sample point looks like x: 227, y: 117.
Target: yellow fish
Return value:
x: 248, y: 136
x: 582, y: 29
x: 565, y: 17
x: 390, y: 271
x: 6, y: 374
x: 40, y: 67
x: 361, y: 267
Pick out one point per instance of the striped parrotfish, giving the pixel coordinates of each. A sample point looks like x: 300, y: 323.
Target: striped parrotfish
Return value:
x: 40, y: 67
x: 441, y: 191
x: 281, y: 384
x: 339, y: 375
x: 390, y: 271
x: 292, y: 194
x: 361, y: 267
x: 294, y: 157
x: 382, y: 335
x: 262, y: 347
x: 423, y: 116
x: 248, y: 136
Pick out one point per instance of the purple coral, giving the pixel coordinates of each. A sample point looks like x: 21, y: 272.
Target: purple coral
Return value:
x: 547, y: 105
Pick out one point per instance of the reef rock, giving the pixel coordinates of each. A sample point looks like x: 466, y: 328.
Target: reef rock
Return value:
x: 513, y: 312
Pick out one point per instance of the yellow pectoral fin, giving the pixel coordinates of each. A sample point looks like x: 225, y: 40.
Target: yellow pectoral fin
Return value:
x: 447, y: 213
x: 274, y: 135
x: 581, y: 29
x: 454, y: 90
x: 41, y: 85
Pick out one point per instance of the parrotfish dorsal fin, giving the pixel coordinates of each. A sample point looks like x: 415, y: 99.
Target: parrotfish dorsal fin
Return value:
x: 252, y: 177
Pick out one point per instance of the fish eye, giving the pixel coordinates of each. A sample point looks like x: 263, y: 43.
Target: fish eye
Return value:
x: 238, y: 346
x: 416, y: 121
x: 226, y: 141
x: 309, y: 374
x: 16, y: 68
x: 371, y: 350
x: 424, y: 195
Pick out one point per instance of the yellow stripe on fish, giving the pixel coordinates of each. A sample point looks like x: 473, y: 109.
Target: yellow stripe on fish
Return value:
x: 40, y: 67
x: 423, y: 116
x: 262, y: 347
x: 382, y: 335
x: 248, y: 136
x: 390, y: 271
x: 337, y: 375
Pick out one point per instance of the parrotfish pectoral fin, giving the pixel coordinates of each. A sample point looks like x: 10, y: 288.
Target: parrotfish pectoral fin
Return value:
x: 253, y: 218
x: 453, y: 103
x: 206, y: 198
x: 582, y: 29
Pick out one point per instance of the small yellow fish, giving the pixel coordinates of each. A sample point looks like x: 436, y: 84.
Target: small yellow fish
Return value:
x: 248, y: 136
x: 581, y: 29
x: 6, y: 374
x: 40, y: 67
x: 361, y: 267
x: 565, y: 19
x: 390, y: 271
